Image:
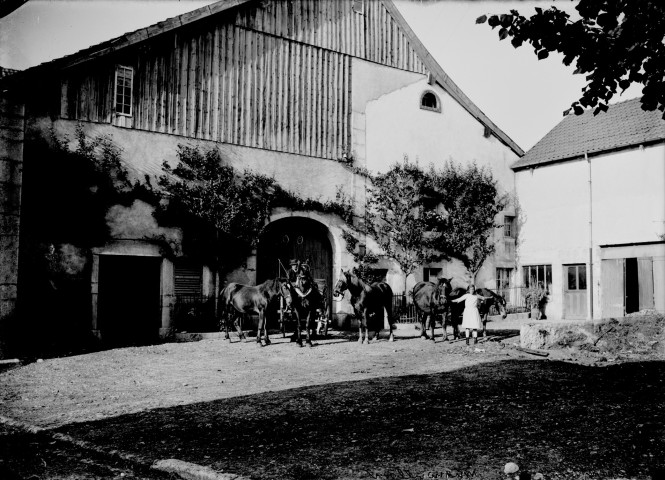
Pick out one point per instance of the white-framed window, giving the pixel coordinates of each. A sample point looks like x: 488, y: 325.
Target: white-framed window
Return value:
x: 509, y: 226
x: 575, y: 277
x: 430, y: 101
x: 503, y: 278
x: 533, y: 275
x: 431, y: 274
x: 124, y: 79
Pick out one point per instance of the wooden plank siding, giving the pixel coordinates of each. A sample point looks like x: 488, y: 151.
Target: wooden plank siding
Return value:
x: 270, y: 75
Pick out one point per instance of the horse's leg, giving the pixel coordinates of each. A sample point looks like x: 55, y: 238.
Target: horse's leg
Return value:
x: 308, y: 340
x: 391, y: 337
x: 432, y: 323
x: 423, y: 325
x: 485, y: 324
x: 265, y: 329
x: 236, y: 323
x: 259, y: 329
x: 298, y: 333
x: 225, y: 317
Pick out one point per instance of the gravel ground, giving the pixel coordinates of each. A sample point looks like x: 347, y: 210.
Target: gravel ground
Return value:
x: 340, y: 410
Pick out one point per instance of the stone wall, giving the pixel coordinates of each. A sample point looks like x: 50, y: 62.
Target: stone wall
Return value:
x: 12, y: 127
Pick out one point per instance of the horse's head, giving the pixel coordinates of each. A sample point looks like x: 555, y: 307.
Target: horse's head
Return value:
x: 285, y: 291
x: 444, y: 287
x: 501, y: 305
x: 342, y: 284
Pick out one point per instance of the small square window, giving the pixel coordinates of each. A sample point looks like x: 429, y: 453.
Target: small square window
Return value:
x: 359, y: 6
x: 124, y: 77
x: 431, y: 274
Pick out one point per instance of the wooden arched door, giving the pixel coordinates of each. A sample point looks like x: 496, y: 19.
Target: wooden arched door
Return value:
x: 299, y: 238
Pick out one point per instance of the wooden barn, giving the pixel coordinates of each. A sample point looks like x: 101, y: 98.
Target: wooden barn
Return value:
x: 306, y: 91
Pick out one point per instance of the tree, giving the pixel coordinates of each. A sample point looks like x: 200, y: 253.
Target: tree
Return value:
x: 394, y: 216
x: 470, y: 200
x: 220, y: 210
x: 615, y: 43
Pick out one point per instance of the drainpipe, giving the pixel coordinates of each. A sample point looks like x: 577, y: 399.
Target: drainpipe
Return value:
x: 590, y: 284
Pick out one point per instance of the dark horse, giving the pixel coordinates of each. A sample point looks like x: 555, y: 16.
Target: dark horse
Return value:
x: 307, y: 302
x: 369, y: 302
x: 457, y: 309
x: 431, y: 299
x: 237, y: 298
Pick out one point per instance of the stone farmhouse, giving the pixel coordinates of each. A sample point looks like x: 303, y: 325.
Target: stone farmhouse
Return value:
x: 300, y: 90
x: 592, y: 193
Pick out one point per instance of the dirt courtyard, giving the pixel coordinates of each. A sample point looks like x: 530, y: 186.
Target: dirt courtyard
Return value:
x: 342, y: 410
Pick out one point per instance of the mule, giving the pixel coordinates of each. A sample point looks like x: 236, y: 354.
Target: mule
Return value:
x: 431, y: 299
x: 457, y: 309
x: 237, y: 298
x: 369, y: 303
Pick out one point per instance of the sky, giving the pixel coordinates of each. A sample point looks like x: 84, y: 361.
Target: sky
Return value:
x: 523, y: 96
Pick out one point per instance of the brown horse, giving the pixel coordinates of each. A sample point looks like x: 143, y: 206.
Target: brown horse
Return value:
x: 369, y: 302
x: 457, y: 309
x: 307, y: 303
x: 237, y: 298
x: 431, y: 299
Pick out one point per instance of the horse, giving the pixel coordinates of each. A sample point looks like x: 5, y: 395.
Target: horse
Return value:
x: 484, y: 306
x: 430, y: 299
x: 369, y: 302
x: 244, y: 299
x: 457, y: 309
x: 308, y: 302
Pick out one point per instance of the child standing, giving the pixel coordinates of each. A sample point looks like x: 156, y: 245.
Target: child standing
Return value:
x: 471, y: 316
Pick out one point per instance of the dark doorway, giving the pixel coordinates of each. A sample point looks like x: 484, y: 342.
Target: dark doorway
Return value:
x: 632, y: 286
x: 299, y: 238
x: 128, y: 309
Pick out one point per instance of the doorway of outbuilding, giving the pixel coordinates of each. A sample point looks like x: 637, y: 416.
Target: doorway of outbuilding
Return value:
x: 128, y: 309
x: 632, y: 286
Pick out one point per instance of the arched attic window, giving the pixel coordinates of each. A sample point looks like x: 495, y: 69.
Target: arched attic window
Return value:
x: 430, y: 101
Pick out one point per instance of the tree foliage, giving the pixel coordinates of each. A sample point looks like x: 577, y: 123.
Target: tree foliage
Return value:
x: 419, y: 217
x: 394, y: 215
x: 464, y: 227
x: 615, y: 43
x: 220, y: 210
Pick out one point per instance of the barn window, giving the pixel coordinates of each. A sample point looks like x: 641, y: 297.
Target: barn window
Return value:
x: 429, y: 101
x: 358, y: 6
x: 124, y: 77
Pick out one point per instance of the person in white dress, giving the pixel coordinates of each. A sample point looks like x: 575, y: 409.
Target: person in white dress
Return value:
x: 471, y: 316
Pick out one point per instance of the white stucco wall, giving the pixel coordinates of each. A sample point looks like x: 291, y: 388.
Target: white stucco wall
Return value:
x: 397, y: 126
x: 628, y: 206
x: 389, y: 124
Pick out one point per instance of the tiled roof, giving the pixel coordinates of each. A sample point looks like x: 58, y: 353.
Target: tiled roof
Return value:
x: 623, y: 125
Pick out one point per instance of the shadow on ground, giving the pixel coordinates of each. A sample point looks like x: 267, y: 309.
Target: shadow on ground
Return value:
x: 563, y: 420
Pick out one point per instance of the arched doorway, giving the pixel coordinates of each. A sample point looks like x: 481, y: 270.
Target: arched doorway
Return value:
x: 295, y: 237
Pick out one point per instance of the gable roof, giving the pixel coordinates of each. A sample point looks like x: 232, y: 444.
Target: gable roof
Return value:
x: 173, y: 23
x: 623, y: 125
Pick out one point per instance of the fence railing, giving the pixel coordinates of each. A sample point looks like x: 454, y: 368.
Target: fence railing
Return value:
x: 195, y: 313
x: 405, y: 311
